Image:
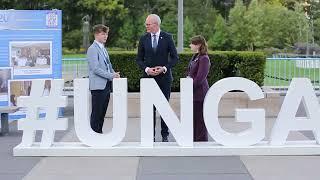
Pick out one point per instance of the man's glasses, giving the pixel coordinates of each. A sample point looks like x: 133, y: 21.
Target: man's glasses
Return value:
x: 148, y: 24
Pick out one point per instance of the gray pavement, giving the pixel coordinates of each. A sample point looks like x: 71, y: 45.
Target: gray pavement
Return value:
x: 185, y: 168
x: 154, y: 168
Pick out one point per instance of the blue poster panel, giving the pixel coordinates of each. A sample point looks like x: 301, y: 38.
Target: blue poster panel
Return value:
x: 30, y: 48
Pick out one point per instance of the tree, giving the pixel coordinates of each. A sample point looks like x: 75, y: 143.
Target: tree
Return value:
x: 188, y: 31
x: 254, y: 17
x: 220, y: 38
x: 317, y: 30
x: 290, y: 4
x: 263, y: 25
x: 27, y: 5
x: 126, y: 35
x: 105, y: 8
x: 130, y: 32
x: 170, y: 24
x: 280, y: 33
x: 202, y: 14
x: 274, y: 2
x: 111, y: 12
x: 223, y: 7
x: 238, y: 27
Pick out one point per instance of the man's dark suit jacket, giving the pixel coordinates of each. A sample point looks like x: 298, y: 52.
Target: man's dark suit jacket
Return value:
x: 198, y: 70
x: 166, y: 54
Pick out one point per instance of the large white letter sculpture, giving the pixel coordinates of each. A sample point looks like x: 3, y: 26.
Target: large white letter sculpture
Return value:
x: 82, y: 114
x: 105, y: 144
x: 257, y: 116
x: 300, y: 90
x: 151, y: 95
x: 51, y: 122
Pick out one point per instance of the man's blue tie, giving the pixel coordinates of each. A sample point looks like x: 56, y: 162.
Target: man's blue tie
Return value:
x: 106, y: 55
x: 107, y: 60
x: 154, y: 42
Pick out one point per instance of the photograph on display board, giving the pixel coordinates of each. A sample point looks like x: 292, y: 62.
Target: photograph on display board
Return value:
x: 31, y: 57
x: 5, y: 76
x: 19, y: 88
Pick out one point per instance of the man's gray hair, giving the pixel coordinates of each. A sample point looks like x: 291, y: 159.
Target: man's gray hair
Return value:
x: 156, y: 17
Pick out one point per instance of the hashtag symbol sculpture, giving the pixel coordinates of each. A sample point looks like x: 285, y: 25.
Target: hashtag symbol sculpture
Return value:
x: 51, y: 104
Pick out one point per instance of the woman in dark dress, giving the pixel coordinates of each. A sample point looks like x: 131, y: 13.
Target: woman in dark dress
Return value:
x: 198, y: 70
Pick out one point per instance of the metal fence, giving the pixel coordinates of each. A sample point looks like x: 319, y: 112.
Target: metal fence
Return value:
x: 73, y: 68
x: 280, y: 71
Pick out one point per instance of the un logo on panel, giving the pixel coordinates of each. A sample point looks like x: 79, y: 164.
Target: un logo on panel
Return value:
x: 52, y: 19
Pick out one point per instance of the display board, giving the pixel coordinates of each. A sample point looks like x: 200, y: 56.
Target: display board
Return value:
x: 30, y: 48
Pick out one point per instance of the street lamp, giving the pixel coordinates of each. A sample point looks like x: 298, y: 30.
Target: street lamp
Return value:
x: 180, y: 26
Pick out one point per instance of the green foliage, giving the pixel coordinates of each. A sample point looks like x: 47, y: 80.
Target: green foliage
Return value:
x: 130, y: 32
x: 220, y: 38
x: 239, y: 27
x: 251, y: 66
x: 109, y: 12
x: 105, y: 7
x: 223, y: 64
x: 262, y: 25
x: 72, y: 39
x: 126, y: 64
x: 170, y: 24
x: 317, y: 30
x: 276, y: 2
x: 202, y: 14
x: 188, y: 31
x: 253, y: 17
x: 247, y: 24
x: 126, y: 35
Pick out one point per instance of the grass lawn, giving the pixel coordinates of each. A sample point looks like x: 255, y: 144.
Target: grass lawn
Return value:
x: 73, y: 56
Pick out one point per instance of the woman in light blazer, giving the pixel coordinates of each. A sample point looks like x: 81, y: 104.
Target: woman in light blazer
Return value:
x: 198, y: 70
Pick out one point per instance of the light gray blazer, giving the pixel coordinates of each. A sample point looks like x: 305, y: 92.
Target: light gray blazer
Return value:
x: 98, y: 70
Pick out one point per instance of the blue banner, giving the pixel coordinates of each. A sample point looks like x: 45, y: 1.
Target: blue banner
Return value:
x: 30, y: 48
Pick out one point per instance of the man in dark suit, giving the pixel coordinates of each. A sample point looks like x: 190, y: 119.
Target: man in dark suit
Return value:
x: 156, y: 57
x: 101, y: 75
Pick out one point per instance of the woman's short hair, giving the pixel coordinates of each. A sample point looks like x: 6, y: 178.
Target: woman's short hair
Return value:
x: 200, y: 40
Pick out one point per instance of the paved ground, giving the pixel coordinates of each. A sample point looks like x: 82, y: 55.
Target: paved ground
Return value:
x: 154, y: 168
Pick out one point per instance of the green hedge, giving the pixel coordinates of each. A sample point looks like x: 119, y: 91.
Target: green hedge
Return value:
x: 223, y: 64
